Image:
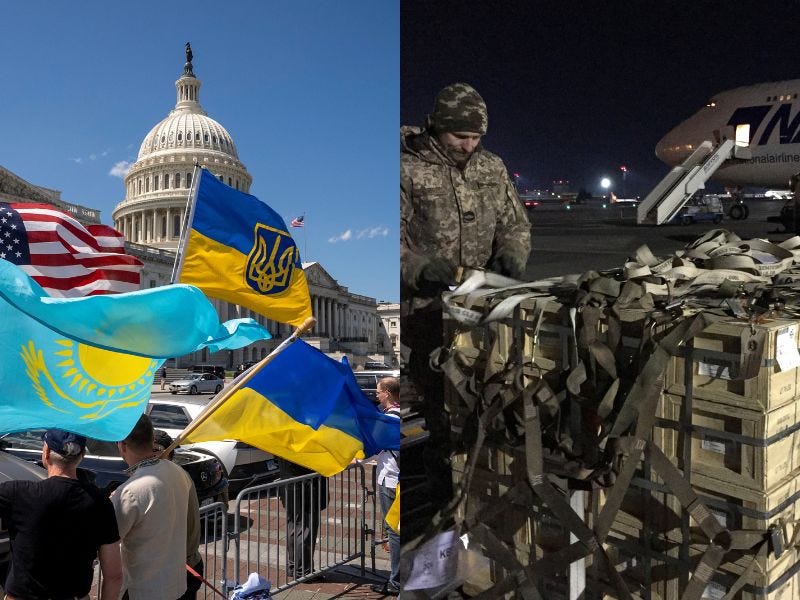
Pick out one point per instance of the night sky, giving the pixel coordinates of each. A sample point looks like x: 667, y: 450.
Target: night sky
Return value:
x: 576, y: 89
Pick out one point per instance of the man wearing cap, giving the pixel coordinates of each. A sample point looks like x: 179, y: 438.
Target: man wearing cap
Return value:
x: 458, y: 207
x: 58, y: 527
x: 152, y: 507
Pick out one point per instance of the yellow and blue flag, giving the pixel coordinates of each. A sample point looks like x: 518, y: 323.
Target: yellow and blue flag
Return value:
x: 305, y: 407
x: 239, y: 250
x: 87, y: 364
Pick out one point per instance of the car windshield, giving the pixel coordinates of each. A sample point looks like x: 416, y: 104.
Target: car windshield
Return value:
x: 165, y: 416
x: 32, y: 440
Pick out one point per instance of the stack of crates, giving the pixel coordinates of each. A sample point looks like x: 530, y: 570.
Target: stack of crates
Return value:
x: 742, y: 460
x: 743, y: 450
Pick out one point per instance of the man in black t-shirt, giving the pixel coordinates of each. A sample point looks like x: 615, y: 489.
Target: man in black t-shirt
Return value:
x: 58, y: 526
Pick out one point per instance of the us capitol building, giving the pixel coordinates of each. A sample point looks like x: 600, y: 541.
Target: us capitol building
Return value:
x: 153, y: 211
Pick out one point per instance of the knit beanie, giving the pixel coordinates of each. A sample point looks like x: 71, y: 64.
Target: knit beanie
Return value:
x: 458, y: 107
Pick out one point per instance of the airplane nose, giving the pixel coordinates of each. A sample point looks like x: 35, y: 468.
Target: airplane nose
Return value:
x: 673, y: 148
x: 663, y: 150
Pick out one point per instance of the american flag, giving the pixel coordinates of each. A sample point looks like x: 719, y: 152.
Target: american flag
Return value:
x: 65, y: 257
x: 299, y: 221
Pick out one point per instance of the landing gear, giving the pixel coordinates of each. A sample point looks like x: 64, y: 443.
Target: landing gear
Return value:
x: 738, y: 210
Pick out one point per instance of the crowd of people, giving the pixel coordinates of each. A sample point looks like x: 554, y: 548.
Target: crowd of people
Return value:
x: 146, y: 536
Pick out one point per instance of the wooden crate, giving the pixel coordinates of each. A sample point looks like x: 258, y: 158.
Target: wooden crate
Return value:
x: 718, y: 353
x: 779, y: 582
x: 738, y: 508
x: 646, y: 512
x: 733, y: 506
x: 716, y: 450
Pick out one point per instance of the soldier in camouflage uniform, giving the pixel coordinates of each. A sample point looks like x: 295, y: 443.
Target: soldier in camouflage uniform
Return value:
x: 457, y: 208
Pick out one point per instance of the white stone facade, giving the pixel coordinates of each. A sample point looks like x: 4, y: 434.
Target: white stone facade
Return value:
x: 159, y: 182
x: 389, y: 313
x: 152, y: 215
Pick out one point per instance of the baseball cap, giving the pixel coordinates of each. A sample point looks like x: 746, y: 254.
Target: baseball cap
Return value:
x: 64, y: 443
x: 161, y: 440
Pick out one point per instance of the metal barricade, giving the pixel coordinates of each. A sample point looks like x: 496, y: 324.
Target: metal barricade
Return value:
x: 214, y: 548
x: 341, y: 511
x: 295, y: 529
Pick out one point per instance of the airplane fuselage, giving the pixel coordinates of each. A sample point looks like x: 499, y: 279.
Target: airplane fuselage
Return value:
x: 773, y: 112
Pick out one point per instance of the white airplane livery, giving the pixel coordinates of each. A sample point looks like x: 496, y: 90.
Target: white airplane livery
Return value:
x: 772, y: 111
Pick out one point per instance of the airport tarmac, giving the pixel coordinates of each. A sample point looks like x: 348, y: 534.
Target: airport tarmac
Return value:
x: 588, y: 237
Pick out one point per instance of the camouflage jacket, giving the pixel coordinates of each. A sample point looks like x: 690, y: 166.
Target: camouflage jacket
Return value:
x: 468, y: 216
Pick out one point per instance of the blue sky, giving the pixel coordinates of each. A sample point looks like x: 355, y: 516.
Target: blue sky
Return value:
x: 308, y: 90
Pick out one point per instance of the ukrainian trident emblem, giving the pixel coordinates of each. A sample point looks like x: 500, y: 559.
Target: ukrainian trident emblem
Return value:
x: 271, y: 261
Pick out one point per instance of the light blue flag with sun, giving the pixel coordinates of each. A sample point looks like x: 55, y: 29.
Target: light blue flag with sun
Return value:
x: 87, y: 364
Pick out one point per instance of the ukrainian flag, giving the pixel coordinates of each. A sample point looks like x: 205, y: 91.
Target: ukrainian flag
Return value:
x: 240, y: 250
x: 305, y: 407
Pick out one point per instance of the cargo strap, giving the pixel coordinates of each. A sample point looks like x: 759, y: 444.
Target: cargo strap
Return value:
x: 671, y: 300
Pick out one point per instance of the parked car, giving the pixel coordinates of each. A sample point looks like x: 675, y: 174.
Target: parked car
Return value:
x: 243, y: 367
x: 103, y: 465
x: 244, y: 465
x: 217, y: 370
x: 372, y: 365
x: 368, y: 380
x: 197, y: 383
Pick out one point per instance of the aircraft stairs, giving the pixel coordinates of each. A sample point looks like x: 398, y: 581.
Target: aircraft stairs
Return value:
x: 672, y: 192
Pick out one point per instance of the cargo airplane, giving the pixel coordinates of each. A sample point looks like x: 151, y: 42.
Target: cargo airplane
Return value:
x: 772, y: 111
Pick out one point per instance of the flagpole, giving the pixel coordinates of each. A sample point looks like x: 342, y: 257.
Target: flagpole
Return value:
x: 236, y: 384
x: 188, y: 213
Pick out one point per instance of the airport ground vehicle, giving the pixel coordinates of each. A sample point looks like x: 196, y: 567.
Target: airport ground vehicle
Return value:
x: 530, y: 204
x: 700, y: 210
x: 197, y: 383
x: 244, y: 465
x: 368, y: 380
x: 103, y: 466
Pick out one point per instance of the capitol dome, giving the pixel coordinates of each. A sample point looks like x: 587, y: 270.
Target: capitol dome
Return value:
x: 187, y: 130
x: 158, y: 183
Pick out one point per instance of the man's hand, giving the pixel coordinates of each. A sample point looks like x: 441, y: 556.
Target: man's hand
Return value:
x: 437, y: 270
x: 508, y: 265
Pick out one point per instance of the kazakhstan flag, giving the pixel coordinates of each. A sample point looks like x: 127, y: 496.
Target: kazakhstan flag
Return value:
x: 239, y: 250
x: 305, y: 407
x: 87, y: 364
